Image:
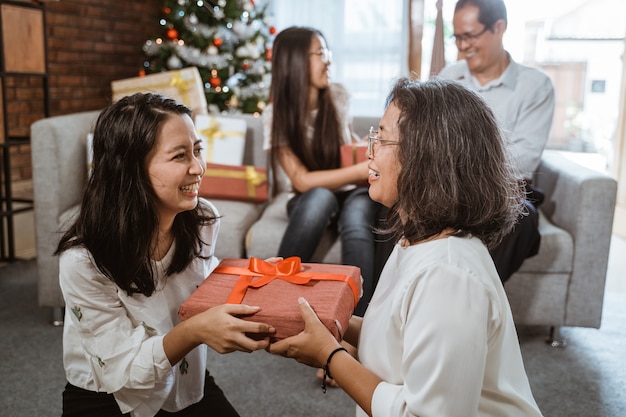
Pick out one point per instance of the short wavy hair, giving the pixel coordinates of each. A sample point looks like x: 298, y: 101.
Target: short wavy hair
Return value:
x: 455, y: 172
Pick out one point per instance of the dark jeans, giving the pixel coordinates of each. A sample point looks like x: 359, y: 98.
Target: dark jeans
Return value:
x: 355, y: 215
x: 78, y: 402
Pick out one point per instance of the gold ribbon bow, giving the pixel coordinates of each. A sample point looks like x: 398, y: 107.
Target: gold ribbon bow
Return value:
x: 181, y: 85
x: 177, y: 81
x: 213, y: 132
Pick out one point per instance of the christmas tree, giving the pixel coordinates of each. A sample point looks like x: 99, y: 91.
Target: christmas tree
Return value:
x: 229, y: 41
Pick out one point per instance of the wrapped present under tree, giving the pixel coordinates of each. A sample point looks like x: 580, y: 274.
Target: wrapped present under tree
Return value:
x: 184, y: 86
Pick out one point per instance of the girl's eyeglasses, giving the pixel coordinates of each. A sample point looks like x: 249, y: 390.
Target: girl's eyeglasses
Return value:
x: 325, y: 54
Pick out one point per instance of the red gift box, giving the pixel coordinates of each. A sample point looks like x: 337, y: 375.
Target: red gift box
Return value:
x: 353, y: 154
x: 331, y: 290
x: 234, y: 182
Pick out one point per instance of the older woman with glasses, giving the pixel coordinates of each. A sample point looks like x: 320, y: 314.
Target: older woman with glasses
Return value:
x: 305, y: 125
x: 438, y: 337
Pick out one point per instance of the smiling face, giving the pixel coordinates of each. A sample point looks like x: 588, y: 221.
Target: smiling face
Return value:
x: 481, y: 50
x: 175, y: 167
x: 384, y: 166
x: 319, y: 61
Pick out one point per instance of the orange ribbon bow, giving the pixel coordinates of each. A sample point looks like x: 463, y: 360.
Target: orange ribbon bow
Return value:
x: 287, y: 270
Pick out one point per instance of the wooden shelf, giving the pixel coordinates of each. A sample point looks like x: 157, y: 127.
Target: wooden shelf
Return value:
x: 23, y: 39
x: 23, y: 53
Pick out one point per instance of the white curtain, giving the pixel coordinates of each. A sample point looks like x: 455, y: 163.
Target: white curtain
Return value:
x: 369, y: 40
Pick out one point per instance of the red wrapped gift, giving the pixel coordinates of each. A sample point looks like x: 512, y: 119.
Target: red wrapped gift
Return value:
x: 353, y: 154
x: 234, y: 182
x: 332, y: 291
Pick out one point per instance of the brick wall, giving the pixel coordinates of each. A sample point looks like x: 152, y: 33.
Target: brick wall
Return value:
x: 89, y: 44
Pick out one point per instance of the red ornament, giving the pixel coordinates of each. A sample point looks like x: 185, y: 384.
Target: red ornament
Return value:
x: 167, y: 10
x: 141, y: 73
x: 245, y: 65
x: 272, y: 30
x: 268, y: 53
x: 172, y: 34
x: 215, y: 81
x: 218, y: 42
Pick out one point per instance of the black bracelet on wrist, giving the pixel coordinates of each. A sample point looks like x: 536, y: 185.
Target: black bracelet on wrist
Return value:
x: 326, y: 370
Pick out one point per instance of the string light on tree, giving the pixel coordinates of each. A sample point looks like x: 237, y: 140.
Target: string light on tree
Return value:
x: 172, y: 34
x: 229, y: 41
x: 215, y: 81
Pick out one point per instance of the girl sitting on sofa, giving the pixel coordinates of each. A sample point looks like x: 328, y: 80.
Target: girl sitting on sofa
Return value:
x: 305, y: 126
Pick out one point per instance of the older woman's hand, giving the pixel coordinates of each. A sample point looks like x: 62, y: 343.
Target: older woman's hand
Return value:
x: 313, y: 345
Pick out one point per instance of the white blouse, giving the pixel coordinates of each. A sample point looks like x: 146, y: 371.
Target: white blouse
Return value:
x: 440, y: 334
x: 113, y: 342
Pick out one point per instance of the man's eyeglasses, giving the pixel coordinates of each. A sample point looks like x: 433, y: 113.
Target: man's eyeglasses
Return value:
x: 469, y: 38
x: 325, y: 54
x: 373, y: 141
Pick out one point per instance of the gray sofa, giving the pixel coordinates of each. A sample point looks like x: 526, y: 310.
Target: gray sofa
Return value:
x: 562, y: 286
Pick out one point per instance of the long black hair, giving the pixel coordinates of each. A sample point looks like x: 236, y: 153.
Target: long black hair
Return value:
x: 290, y: 100
x: 118, y: 218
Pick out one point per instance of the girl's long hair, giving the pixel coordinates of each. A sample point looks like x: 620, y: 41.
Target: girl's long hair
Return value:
x: 118, y: 216
x: 289, y: 94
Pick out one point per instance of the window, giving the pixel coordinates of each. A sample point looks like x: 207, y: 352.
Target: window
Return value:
x: 369, y: 40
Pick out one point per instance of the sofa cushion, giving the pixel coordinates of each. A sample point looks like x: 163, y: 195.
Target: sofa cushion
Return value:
x: 237, y: 217
x: 556, y: 252
x: 264, y: 237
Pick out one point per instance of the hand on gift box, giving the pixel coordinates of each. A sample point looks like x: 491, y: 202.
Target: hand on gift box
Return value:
x: 313, y: 345
x: 274, y: 259
x: 221, y: 329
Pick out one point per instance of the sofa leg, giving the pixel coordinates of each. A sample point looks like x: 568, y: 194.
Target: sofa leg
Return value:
x: 57, y: 316
x: 554, y: 338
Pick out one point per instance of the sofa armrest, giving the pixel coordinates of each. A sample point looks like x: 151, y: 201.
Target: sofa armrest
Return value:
x: 581, y: 201
x: 58, y: 149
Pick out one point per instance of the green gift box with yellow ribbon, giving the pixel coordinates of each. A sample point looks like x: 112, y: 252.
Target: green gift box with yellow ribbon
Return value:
x: 234, y: 182
x: 184, y: 85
